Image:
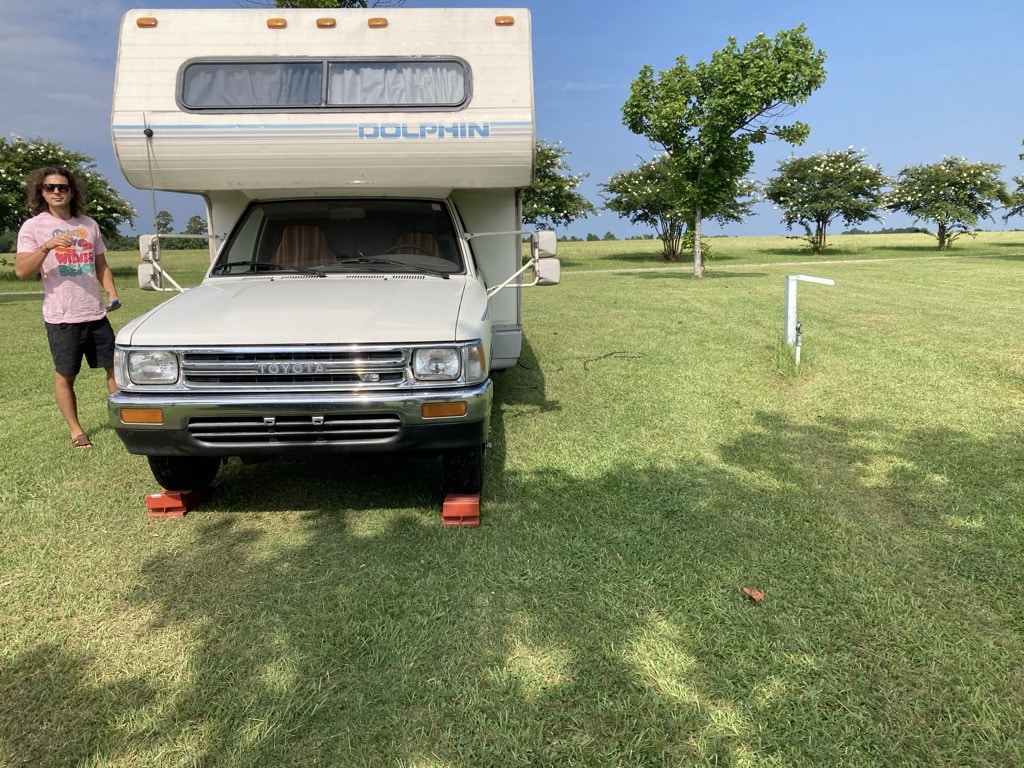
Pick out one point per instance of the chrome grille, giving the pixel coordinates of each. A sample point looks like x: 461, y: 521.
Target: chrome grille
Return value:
x: 294, y: 430
x: 257, y: 369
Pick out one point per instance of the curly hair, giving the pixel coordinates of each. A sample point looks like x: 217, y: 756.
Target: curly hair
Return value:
x: 34, y: 190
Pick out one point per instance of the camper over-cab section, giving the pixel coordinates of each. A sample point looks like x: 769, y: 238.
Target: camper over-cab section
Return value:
x: 364, y: 101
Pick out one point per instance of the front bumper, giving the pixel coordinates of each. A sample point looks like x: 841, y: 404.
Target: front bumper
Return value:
x: 287, y: 423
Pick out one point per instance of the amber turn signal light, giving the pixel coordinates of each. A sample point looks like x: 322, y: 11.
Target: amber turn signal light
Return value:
x: 444, y: 410
x: 154, y: 416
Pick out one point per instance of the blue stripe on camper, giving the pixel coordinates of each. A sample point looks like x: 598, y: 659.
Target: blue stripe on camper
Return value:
x: 417, y: 131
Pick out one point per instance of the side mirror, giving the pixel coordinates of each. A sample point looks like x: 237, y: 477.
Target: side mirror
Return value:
x: 149, y: 248
x: 547, y: 244
x: 149, y: 277
x: 547, y: 271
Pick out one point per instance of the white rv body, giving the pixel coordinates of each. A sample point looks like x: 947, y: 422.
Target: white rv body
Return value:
x: 272, y: 113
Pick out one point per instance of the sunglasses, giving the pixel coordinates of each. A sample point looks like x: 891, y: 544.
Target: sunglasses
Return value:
x: 63, y: 188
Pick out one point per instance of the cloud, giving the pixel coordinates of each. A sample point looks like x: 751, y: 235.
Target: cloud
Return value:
x: 56, y: 70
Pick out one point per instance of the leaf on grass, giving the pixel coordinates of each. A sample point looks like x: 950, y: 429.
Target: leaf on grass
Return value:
x: 753, y: 594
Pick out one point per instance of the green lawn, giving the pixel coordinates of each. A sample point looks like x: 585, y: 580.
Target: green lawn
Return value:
x: 653, y: 453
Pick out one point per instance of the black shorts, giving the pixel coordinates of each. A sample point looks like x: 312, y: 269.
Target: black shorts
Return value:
x: 70, y: 341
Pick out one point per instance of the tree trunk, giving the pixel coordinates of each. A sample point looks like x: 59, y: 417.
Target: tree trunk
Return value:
x: 670, y: 232
x: 698, y: 256
x: 942, y: 237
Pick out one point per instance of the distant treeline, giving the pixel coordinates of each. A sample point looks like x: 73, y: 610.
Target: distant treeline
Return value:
x: 888, y: 231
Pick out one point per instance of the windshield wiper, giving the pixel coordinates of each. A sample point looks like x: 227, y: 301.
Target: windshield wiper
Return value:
x: 255, y: 266
x: 396, y: 263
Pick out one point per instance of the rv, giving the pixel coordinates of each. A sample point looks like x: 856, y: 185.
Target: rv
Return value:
x: 362, y: 172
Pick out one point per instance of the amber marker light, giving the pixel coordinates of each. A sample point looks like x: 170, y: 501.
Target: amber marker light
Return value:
x: 326, y: 23
x: 153, y: 416
x: 145, y: 21
x: 277, y: 23
x: 444, y: 410
x: 505, y: 21
x: 377, y: 22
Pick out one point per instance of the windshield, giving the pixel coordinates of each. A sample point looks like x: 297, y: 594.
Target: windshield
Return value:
x: 321, y: 237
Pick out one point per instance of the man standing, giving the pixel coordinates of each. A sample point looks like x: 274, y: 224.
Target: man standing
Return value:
x: 65, y: 247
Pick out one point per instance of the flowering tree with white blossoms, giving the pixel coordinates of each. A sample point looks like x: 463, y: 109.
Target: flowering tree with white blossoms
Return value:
x: 551, y: 199
x: 659, y: 194
x: 816, y: 190
x: 19, y: 157
x: 653, y: 195
x: 1016, y: 204
x: 954, y: 194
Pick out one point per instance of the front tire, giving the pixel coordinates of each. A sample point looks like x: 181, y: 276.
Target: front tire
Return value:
x: 184, y: 473
x: 463, y: 470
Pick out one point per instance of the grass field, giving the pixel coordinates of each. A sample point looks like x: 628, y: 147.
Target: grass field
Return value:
x: 653, y: 453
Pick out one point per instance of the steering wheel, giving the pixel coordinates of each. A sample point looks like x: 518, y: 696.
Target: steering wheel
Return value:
x: 413, y: 246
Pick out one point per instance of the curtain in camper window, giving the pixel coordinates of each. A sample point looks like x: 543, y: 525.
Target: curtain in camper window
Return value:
x: 397, y: 84
x: 247, y: 85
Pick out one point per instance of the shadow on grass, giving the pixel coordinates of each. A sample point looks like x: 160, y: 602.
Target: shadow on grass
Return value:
x: 623, y: 260
x: 710, y: 274
x: 21, y: 297
x: 47, y: 694
x: 597, y: 620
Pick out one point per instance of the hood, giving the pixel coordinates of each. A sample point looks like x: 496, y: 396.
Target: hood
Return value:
x: 304, y: 310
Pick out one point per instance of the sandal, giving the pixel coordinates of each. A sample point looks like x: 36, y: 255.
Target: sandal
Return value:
x: 81, y: 442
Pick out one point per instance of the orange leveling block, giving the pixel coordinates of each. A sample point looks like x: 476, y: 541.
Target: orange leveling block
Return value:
x: 174, y: 503
x: 461, y: 509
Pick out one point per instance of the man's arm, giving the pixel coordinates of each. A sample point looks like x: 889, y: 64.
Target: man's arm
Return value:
x: 28, y: 263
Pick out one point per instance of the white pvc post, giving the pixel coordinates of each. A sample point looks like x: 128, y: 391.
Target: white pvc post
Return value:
x: 789, y: 331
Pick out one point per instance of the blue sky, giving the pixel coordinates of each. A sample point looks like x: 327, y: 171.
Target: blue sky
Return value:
x: 908, y: 81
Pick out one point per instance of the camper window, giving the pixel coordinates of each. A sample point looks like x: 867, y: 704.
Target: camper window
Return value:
x: 397, y: 83
x: 228, y: 85
x: 237, y: 85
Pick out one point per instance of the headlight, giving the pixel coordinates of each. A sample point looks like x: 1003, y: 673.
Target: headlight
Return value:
x: 439, y: 364
x: 152, y: 367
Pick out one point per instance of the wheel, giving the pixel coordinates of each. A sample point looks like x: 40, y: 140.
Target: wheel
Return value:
x: 462, y: 470
x: 184, y: 473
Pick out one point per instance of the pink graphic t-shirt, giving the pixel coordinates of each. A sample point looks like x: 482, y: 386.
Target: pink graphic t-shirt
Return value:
x: 70, y: 285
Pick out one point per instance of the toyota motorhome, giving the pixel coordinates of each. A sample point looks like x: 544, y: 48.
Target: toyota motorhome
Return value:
x: 362, y: 172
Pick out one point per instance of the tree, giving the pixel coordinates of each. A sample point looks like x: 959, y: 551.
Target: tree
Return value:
x: 954, y: 194
x: 551, y: 199
x: 19, y: 157
x: 816, y: 190
x: 651, y: 194
x: 164, y: 223
x: 1016, y: 203
x: 707, y: 117
x: 658, y: 194
x: 196, y: 226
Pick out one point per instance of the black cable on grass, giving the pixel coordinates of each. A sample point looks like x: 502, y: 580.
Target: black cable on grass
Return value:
x: 628, y: 355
